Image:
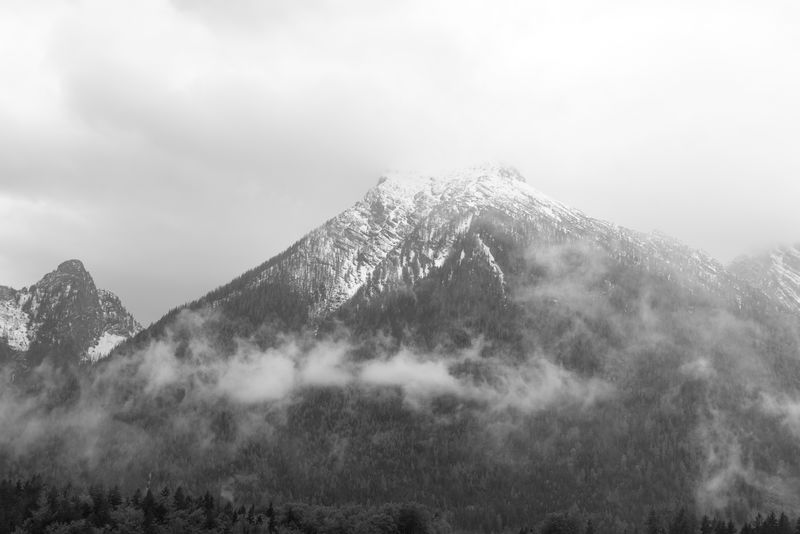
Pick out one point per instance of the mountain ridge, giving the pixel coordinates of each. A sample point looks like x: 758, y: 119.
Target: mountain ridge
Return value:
x: 63, y: 312
x: 776, y: 272
x: 407, y: 224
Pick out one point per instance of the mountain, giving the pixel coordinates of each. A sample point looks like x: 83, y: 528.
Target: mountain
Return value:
x: 463, y: 341
x: 63, y: 315
x: 410, y: 225
x: 777, y: 273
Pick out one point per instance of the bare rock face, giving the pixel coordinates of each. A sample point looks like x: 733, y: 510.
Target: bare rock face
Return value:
x: 64, y: 316
x: 777, y: 273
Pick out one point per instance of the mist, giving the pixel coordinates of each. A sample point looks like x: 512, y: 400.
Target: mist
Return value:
x: 588, y: 369
x: 179, y: 378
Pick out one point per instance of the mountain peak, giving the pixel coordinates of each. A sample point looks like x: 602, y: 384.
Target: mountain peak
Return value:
x: 71, y: 267
x: 466, y: 174
x: 403, y: 228
x: 64, y: 306
x: 487, y: 181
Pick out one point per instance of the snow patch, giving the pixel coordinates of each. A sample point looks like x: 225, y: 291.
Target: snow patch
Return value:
x: 103, y: 346
x: 487, y: 253
x: 14, y: 325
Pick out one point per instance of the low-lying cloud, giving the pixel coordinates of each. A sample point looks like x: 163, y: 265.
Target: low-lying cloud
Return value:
x: 188, y: 373
x: 253, y: 375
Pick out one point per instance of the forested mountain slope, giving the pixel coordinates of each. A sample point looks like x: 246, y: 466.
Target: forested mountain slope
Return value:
x: 464, y: 342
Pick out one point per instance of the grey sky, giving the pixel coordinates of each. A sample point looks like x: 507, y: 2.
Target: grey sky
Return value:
x: 173, y: 145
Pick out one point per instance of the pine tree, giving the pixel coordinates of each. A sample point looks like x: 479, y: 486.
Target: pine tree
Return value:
x: 207, y: 504
x: 651, y: 525
x: 227, y: 510
x: 680, y: 523
x: 553, y: 524
x: 784, y: 525
x: 149, y: 509
x: 271, y: 528
x: 136, y: 500
x: 100, y: 505
x: 706, y: 526
x: 179, y: 499
x: 758, y: 524
x: 770, y: 525
x: 115, y: 497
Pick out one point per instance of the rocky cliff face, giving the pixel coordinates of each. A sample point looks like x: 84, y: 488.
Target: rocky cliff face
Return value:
x: 64, y: 315
x: 777, y: 273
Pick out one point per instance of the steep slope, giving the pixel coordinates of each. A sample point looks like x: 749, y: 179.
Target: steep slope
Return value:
x: 63, y: 315
x: 410, y: 224
x: 777, y: 273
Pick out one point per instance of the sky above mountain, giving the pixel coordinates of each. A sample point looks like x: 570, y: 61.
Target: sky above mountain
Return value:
x: 173, y: 145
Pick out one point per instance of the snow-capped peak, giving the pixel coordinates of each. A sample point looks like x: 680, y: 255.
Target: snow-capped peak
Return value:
x: 343, y: 254
x: 487, y: 183
x: 408, y: 224
x: 421, y: 179
x: 411, y: 223
x: 406, y: 183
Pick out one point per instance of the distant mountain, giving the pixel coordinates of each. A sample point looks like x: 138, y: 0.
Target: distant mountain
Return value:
x: 63, y: 315
x: 777, y: 273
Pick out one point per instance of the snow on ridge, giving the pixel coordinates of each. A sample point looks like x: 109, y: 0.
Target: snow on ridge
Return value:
x: 787, y: 276
x: 407, y: 224
x: 407, y: 199
x: 371, y: 232
x: 346, y: 251
x: 476, y: 187
x: 490, y: 259
x: 103, y: 346
x: 437, y: 183
x: 14, y: 325
x: 776, y: 273
x: 20, y: 321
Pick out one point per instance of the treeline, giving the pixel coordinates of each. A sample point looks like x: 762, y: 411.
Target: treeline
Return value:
x: 33, y: 507
x: 678, y: 522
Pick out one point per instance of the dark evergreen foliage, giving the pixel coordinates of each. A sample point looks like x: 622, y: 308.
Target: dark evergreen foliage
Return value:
x: 32, y: 507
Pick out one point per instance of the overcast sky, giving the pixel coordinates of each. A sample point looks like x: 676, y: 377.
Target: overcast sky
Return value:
x: 172, y: 145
